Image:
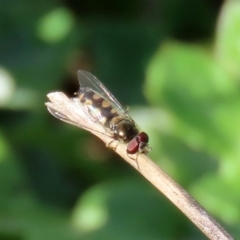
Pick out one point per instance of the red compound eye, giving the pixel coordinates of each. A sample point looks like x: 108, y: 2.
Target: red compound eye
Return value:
x: 133, y: 146
x: 138, y: 143
x: 142, y: 137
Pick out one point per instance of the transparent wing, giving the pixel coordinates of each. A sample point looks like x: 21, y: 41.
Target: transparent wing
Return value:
x: 82, y: 119
x: 86, y: 79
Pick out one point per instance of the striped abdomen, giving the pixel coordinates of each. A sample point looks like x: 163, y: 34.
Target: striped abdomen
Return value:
x: 98, y: 107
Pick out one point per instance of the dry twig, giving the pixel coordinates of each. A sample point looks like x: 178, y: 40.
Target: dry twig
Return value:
x: 60, y: 104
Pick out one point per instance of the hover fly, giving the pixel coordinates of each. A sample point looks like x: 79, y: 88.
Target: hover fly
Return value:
x: 103, y: 109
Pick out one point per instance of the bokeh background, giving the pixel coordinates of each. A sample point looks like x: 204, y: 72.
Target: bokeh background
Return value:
x: 175, y: 63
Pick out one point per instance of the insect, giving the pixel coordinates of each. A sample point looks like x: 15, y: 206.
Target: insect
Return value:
x: 102, y: 108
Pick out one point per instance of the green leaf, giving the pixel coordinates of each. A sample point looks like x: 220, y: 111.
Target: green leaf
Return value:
x: 198, y: 93
x: 228, y: 38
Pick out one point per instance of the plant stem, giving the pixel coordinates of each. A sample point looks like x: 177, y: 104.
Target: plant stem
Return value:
x: 70, y: 111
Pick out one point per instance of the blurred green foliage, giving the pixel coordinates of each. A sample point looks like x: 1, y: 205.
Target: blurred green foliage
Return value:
x: 176, y: 63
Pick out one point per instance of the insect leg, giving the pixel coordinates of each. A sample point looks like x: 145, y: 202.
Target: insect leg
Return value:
x: 108, y: 145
